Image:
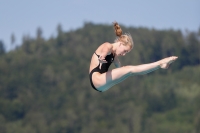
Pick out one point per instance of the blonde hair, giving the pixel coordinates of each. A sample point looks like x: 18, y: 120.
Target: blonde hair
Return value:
x: 126, y: 38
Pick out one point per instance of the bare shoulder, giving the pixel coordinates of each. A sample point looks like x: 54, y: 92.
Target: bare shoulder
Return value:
x: 107, y: 45
x: 104, y: 48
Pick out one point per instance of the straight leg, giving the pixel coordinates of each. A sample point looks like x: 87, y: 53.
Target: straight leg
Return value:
x: 106, y: 80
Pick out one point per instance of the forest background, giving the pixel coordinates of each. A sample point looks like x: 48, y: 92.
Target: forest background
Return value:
x: 44, y: 84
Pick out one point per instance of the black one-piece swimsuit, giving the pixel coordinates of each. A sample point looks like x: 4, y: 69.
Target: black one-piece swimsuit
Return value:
x: 104, y: 68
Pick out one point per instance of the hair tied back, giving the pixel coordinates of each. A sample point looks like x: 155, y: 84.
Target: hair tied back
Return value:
x: 118, y: 30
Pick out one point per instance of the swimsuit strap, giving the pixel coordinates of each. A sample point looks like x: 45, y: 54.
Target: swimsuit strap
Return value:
x: 96, y: 54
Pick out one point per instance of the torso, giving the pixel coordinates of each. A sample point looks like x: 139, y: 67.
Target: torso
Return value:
x: 95, y: 62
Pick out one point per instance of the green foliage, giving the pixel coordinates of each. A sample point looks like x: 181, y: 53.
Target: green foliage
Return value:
x: 2, y: 49
x: 44, y: 85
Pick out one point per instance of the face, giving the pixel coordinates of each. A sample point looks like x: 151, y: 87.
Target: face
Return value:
x: 122, y: 50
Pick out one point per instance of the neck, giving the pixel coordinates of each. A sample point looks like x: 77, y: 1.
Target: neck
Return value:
x: 114, y: 47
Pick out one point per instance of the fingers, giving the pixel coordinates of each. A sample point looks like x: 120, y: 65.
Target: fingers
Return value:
x: 102, y: 60
x: 100, y: 65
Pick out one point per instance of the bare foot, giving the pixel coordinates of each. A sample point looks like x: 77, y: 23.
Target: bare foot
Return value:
x: 164, y: 63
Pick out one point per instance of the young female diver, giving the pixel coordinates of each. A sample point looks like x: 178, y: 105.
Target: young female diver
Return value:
x: 101, y: 79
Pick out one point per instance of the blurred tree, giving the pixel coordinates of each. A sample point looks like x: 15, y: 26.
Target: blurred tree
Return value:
x: 59, y: 29
x: 60, y: 36
x: 2, y: 49
x: 2, y: 124
x: 193, y: 49
x: 26, y: 43
x: 12, y: 38
x: 39, y: 33
x: 197, y: 123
